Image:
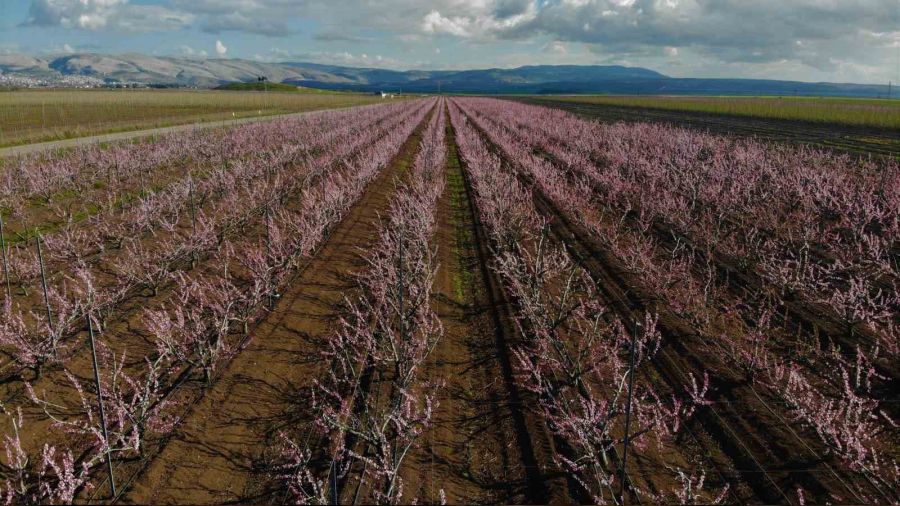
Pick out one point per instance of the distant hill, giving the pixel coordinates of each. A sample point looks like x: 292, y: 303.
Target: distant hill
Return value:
x: 539, y: 79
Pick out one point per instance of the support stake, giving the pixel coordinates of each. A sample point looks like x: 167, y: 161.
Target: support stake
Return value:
x: 334, y: 491
x: 193, y: 220
x: 400, y: 276
x: 269, y: 290
x: 44, y: 287
x: 637, y: 327
x: 5, y: 262
x: 109, y: 464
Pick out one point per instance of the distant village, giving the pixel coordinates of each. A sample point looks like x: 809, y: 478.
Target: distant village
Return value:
x: 20, y: 81
x: 12, y: 80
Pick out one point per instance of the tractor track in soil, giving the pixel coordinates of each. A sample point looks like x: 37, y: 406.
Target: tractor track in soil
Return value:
x: 744, y: 427
x: 220, y: 452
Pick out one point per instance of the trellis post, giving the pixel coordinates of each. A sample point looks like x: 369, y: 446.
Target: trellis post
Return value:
x: 109, y: 464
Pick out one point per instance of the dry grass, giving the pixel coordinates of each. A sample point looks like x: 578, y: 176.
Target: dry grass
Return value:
x: 879, y: 113
x: 30, y: 116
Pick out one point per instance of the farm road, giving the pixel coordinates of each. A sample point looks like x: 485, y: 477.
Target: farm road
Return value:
x: 120, y: 136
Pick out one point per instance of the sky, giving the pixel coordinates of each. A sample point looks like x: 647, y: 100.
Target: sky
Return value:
x: 806, y: 40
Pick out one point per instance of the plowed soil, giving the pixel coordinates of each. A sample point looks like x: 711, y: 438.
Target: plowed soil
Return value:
x: 218, y: 452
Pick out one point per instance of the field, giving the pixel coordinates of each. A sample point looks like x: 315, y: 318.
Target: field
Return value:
x: 855, y: 126
x: 29, y: 116
x: 460, y: 300
x: 879, y: 113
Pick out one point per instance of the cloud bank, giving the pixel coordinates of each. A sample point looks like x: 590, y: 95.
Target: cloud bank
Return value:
x: 828, y: 37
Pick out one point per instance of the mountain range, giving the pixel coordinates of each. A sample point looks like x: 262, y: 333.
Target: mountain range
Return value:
x: 208, y: 73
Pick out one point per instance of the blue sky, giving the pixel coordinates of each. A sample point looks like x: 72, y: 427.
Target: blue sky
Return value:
x: 810, y: 40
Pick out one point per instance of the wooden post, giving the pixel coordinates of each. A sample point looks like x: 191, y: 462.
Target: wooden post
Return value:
x: 637, y: 327
x: 5, y: 262
x: 112, y: 479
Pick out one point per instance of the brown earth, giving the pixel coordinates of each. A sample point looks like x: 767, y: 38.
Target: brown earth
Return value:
x: 125, y: 337
x: 218, y: 453
x: 744, y: 434
x: 484, y: 446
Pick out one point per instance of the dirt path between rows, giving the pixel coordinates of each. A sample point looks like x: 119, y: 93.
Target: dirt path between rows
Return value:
x: 467, y: 452
x: 485, y: 446
x: 218, y: 454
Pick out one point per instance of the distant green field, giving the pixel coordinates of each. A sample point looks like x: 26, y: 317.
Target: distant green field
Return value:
x: 273, y: 87
x: 880, y: 113
x: 28, y: 116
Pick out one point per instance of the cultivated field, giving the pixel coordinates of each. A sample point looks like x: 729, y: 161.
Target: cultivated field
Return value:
x: 864, y: 127
x: 29, y: 116
x: 460, y: 300
x: 879, y: 113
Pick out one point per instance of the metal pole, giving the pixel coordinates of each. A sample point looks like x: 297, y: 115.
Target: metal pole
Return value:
x: 44, y: 286
x: 268, y: 234
x: 193, y: 221
x: 193, y: 211
x: 637, y: 327
x: 334, y: 491
x: 5, y: 262
x: 109, y: 464
x: 269, y: 255
x: 400, y: 276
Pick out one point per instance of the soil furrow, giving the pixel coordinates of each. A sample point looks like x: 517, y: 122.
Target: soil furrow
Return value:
x: 220, y: 453
x: 544, y: 482
x: 469, y: 453
x: 746, y: 430
x: 749, y: 436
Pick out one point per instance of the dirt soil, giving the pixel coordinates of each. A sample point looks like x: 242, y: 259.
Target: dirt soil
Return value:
x: 485, y: 445
x: 217, y: 453
x: 744, y: 435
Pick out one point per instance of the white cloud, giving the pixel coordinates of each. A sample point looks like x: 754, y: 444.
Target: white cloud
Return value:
x: 265, y: 17
x: 556, y: 47
x: 711, y: 37
x: 68, y: 49
x: 434, y: 22
x: 480, y: 19
x: 193, y: 53
x: 95, y: 15
x: 221, y: 49
x: 334, y: 58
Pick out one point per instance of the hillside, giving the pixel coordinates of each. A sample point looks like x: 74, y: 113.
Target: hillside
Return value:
x: 540, y: 79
